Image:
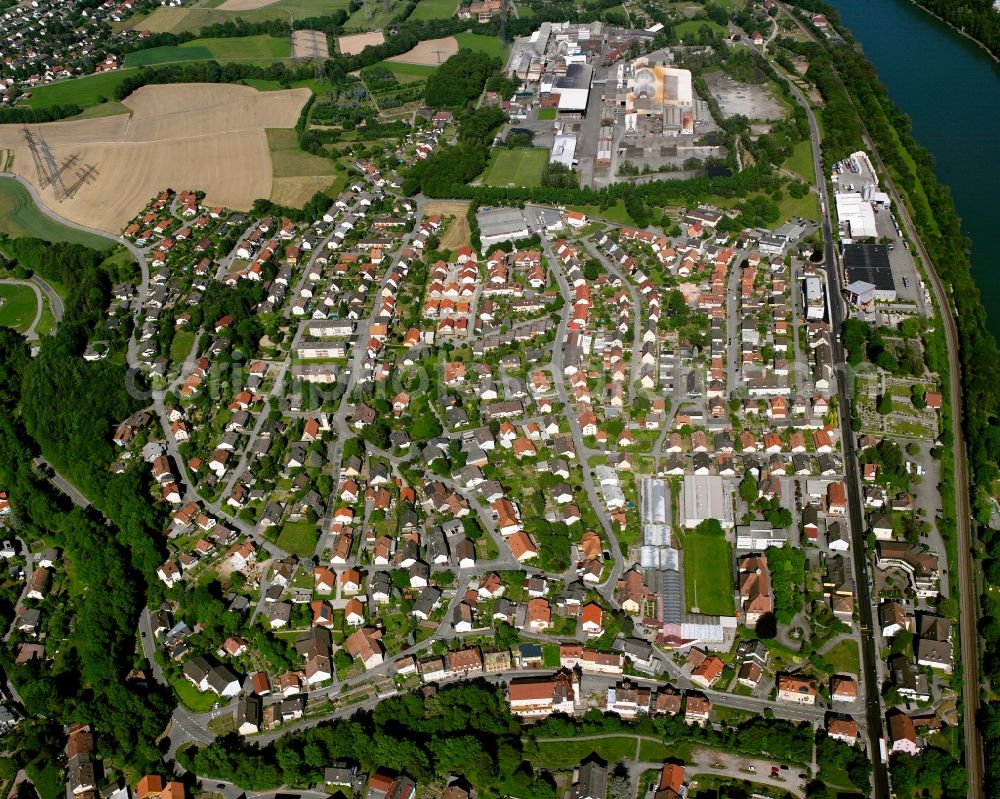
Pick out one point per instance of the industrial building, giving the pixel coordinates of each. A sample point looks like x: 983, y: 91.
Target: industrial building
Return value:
x: 869, y: 264
x: 501, y: 224
x: 706, y: 496
x: 563, y: 150
x: 858, y: 216
x: 573, y: 88
x: 815, y: 299
x: 661, y: 564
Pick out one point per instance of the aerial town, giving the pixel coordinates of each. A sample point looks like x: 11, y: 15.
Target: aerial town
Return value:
x: 668, y: 476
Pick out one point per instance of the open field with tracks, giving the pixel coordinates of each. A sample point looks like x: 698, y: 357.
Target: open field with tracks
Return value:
x: 208, y: 137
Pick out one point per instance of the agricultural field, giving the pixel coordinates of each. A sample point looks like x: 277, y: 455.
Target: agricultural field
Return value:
x: 434, y: 9
x: 19, y: 216
x: 407, y: 73
x: 18, y: 307
x: 86, y: 91
x: 373, y: 16
x: 242, y: 49
x: 431, y: 52
x: 297, y: 175
x: 199, y: 136
x: 357, y: 42
x: 521, y: 166
x: 707, y: 583
x: 179, y: 19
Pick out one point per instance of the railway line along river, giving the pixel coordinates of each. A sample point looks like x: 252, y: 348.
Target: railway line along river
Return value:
x: 949, y: 86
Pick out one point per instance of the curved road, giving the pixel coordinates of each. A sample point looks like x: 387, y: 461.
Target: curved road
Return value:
x: 30, y: 332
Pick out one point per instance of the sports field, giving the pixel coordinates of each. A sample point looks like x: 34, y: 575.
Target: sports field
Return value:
x: 708, y: 582
x: 19, y: 216
x: 242, y: 49
x: 18, y: 307
x: 521, y: 166
x: 433, y: 9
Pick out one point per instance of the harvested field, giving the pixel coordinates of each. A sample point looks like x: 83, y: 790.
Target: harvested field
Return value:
x: 355, y: 43
x: 310, y: 44
x: 429, y: 53
x: 207, y: 137
x: 295, y: 191
x: 244, y: 5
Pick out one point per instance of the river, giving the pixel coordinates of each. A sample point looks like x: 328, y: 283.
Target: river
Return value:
x: 950, y: 88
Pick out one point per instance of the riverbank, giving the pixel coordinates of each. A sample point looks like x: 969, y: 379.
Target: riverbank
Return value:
x: 957, y: 30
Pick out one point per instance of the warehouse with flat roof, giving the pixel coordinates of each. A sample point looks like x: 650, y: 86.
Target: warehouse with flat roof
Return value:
x: 705, y: 496
x: 501, y: 224
x: 573, y: 88
x: 858, y: 214
x: 869, y: 263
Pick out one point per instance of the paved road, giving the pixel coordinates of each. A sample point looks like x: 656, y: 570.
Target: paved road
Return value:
x: 869, y: 667
x: 29, y: 566
x: 607, y: 588
x: 64, y: 485
x: 968, y: 593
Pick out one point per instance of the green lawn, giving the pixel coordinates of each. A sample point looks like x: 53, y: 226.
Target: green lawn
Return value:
x: 18, y: 307
x: 19, y: 216
x: 299, y: 538
x: 692, y: 26
x: 844, y: 657
x: 181, y: 345
x: 86, y: 91
x: 240, y: 49
x: 546, y: 113
x: 615, y: 213
x: 490, y: 45
x: 521, y: 166
x: 807, y: 207
x: 433, y: 9
x: 801, y: 162
x: 193, y: 699
x: 568, y: 753
x: 708, y: 582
